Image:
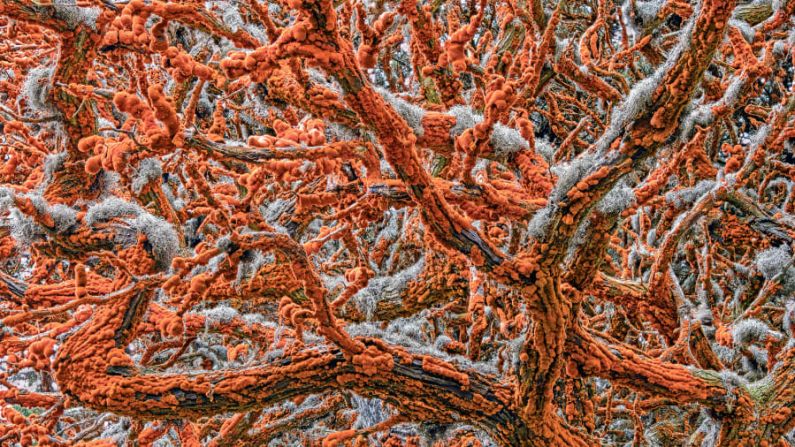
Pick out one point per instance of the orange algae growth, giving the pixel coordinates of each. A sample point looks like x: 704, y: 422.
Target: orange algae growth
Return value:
x: 396, y: 223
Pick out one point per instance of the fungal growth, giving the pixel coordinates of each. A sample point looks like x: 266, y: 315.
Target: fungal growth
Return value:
x: 397, y: 223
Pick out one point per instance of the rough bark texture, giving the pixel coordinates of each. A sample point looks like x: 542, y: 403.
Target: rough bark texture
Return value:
x: 397, y: 223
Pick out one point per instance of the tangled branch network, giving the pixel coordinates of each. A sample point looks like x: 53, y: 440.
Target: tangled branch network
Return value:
x: 397, y: 223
